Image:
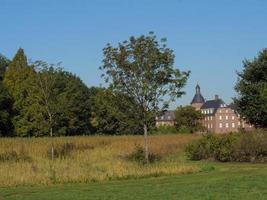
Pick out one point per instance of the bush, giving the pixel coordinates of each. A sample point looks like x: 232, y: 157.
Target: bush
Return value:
x: 252, y: 147
x: 138, y: 155
x: 165, y: 129
x: 245, y: 147
x: 203, y: 148
x: 225, y: 147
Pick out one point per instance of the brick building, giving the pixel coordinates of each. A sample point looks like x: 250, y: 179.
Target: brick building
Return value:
x: 218, y: 116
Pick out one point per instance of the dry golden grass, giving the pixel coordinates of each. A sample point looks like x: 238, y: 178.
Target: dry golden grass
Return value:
x: 26, y: 161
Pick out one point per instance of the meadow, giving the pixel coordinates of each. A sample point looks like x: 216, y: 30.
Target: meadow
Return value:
x: 27, y: 161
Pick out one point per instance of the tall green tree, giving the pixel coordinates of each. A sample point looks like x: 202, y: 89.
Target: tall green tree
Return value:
x: 63, y: 101
x: 115, y: 113
x: 6, y: 102
x: 17, y: 79
x: 188, y: 118
x: 143, y: 68
x: 252, y: 90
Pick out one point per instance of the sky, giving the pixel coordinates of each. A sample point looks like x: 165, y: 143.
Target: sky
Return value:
x: 209, y: 38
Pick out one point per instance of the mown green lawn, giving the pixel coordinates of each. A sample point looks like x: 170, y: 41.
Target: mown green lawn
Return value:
x: 220, y: 181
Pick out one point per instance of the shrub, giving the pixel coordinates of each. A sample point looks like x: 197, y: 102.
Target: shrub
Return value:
x: 203, y: 148
x: 225, y: 147
x: 252, y: 147
x: 138, y: 155
x: 165, y: 129
x: 245, y: 147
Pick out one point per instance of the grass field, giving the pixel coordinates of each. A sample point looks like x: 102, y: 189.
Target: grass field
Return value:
x: 26, y: 161
x: 98, y: 167
x: 225, y: 181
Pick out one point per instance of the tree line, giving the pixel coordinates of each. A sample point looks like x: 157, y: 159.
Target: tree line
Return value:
x: 40, y: 99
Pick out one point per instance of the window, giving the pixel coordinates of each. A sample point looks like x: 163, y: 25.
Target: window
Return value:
x: 233, y: 117
x: 226, y: 111
x: 169, y: 117
x: 233, y: 125
x: 226, y: 125
x: 220, y: 111
x: 226, y: 117
x: 220, y: 125
x: 162, y: 117
x: 239, y: 123
x: 220, y: 117
x: 157, y: 118
x: 210, y: 117
x: 210, y: 125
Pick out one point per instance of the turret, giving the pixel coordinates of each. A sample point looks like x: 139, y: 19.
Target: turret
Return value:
x: 198, y: 99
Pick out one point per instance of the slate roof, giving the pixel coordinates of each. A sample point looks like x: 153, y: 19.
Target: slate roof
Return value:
x: 168, y: 115
x: 215, y: 104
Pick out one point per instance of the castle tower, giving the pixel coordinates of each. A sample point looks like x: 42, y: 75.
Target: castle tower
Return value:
x: 198, y: 99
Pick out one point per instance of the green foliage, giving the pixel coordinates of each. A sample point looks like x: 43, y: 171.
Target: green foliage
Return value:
x: 46, y: 99
x: 226, y: 147
x: 203, y: 148
x: 188, y: 119
x: 143, y: 68
x: 62, y: 100
x: 165, y: 129
x: 246, y: 147
x: 252, y: 90
x: 114, y: 113
x: 252, y: 147
x: 4, y: 62
x: 18, y: 79
x: 6, y: 102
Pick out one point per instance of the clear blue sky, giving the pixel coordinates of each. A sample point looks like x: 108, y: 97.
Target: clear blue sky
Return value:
x: 210, y: 38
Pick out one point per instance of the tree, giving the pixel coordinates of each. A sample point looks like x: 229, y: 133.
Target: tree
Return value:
x: 62, y: 99
x: 143, y: 68
x: 6, y: 102
x: 18, y: 79
x: 251, y: 87
x: 189, y: 118
x: 4, y: 62
x: 114, y: 113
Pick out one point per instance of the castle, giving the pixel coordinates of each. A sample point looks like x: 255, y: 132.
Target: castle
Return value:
x: 218, y: 116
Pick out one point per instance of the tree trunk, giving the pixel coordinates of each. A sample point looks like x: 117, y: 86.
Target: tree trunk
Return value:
x: 52, y: 146
x: 146, y: 143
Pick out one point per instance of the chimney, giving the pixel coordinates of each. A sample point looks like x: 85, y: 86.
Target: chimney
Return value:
x: 216, y: 97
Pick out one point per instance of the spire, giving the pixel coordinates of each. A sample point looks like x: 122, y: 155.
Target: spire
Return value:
x: 198, y: 98
x: 197, y: 89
